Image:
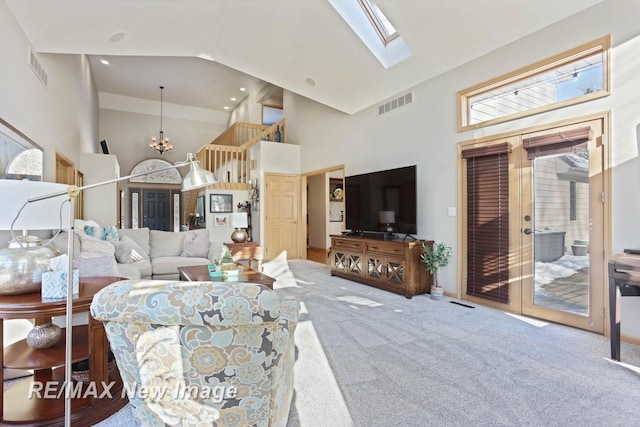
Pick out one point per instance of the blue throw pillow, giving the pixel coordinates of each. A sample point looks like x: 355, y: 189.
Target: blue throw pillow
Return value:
x: 90, y: 230
x: 110, y: 234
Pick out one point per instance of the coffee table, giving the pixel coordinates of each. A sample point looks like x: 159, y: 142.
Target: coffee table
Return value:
x: 200, y: 273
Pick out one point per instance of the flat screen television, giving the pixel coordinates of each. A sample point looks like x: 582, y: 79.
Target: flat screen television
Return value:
x: 382, y: 201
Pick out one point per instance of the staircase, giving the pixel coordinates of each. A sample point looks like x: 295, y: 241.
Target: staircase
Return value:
x: 228, y: 156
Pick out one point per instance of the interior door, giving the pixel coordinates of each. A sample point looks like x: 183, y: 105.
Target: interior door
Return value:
x: 282, y: 215
x: 562, y: 225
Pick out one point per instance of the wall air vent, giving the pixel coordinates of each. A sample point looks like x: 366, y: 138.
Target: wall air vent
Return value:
x: 391, y: 105
x: 36, y: 67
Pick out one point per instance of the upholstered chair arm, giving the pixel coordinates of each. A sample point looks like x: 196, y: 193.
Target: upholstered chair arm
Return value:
x: 162, y: 302
x: 284, y: 354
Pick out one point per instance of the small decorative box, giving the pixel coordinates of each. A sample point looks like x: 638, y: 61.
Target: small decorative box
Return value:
x: 213, y: 271
x: 235, y: 272
x: 54, y: 285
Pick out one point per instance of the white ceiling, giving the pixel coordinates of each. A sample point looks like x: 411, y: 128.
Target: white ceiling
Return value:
x: 282, y: 42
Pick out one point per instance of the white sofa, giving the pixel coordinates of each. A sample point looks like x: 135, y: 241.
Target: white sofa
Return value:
x: 165, y: 250
x: 158, y: 254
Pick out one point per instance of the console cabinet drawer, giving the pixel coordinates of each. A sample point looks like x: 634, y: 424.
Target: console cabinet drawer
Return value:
x: 347, y: 244
x: 386, y: 248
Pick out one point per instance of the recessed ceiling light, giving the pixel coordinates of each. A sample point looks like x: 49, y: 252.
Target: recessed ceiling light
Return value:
x: 233, y: 99
x: 116, y: 37
x: 242, y: 89
x: 104, y: 61
x: 226, y: 108
x: 310, y: 81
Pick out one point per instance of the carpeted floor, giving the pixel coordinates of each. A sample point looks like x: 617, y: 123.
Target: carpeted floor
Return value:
x: 367, y: 357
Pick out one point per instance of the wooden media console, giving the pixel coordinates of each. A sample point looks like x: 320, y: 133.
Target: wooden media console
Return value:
x: 393, y: 265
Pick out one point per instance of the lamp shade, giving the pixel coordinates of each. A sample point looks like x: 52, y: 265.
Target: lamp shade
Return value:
x: 387, y: 217
x: 196, y: 177
x: 46, y: 214
x: 239, y: 220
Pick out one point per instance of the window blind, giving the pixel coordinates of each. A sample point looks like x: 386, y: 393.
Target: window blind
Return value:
x: 558, y: 143
x: 488, y: 221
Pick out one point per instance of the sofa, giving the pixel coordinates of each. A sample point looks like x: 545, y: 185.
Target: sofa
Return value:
x: 220, y: 353
x: 166, y: 252
x: 137, y: 253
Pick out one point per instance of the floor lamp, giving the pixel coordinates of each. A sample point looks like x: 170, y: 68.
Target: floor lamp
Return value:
x: 195, y: 178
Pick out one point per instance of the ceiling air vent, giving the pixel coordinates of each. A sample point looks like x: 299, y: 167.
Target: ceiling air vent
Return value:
x: 36, y: 67
x: 401, y: 101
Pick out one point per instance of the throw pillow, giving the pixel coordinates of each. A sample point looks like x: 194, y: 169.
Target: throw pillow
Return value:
x: 196, y: 244
x: 91, y: 247
x: 80, y: 224
x: 278, y: 268
x: 127, y: 251
x: 91, y: 230
x: 97, y: 266
x: 110, y: 234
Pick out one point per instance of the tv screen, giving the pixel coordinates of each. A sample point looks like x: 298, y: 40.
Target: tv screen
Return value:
x: 382, y: 201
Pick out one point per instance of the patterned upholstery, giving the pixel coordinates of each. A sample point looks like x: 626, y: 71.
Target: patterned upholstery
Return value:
x: 201, y: 353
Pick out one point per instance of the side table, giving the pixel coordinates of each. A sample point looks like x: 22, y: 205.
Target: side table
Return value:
x: 89, y: 342
x: 624, y: 270
x: 247, y: 251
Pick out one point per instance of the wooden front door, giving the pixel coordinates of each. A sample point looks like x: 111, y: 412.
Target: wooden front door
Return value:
x: 282, y: 215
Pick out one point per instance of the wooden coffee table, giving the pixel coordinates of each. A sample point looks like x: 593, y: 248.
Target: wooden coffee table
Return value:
x: 200, y: 273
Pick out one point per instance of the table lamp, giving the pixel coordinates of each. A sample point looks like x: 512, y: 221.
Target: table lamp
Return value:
x: 24, y: 260
x: 387, y: 218
x: 240, y: 222
x: 195, y: 178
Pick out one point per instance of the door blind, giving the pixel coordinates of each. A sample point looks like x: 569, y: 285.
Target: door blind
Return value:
x: 488, y: 221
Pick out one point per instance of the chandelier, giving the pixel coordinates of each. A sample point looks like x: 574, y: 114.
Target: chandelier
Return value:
x: 161, y: 144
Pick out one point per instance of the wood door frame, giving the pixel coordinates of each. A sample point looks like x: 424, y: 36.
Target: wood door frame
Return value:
x: 605, y: 117
x: 303, y: 200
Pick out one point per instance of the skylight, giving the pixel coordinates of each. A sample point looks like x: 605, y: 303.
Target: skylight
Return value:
x: 374, y: 29
x: 380, y: 22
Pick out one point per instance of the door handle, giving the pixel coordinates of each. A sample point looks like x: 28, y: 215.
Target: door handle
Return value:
x: 527, y: 231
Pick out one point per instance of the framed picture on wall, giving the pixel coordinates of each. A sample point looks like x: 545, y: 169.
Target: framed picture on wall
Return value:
x: 221, y: 203
x: 221, y: 220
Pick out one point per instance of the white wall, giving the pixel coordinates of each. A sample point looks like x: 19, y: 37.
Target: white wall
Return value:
x: 64, y: 115
x: 424, y: 133
x: 128, y: 135
x: 217, y: 234
x: 101, y: 203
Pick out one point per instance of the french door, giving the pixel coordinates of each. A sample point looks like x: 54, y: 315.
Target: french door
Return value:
x: 562, y: 223
x: 544, y: 192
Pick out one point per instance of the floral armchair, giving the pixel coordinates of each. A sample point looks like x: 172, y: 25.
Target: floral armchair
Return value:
x: 201, y: 353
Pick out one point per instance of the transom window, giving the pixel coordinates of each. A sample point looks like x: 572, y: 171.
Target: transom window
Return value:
x: 575, y: 76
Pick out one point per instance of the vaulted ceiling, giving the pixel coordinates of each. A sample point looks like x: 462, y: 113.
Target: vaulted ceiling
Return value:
x: 283, y: 42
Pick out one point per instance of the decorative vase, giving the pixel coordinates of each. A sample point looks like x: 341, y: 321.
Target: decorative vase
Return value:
x: 436, y: 293
x: 239, y: 235
x: 22, y: 265
x: 44, y: 336
x: 278, y: 136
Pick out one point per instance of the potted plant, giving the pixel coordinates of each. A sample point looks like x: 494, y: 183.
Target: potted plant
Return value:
x: 435, y: 258
x: 225, y: 263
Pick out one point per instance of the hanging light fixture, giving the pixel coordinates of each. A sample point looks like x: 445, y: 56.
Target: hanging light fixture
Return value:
x: 161, y: 144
